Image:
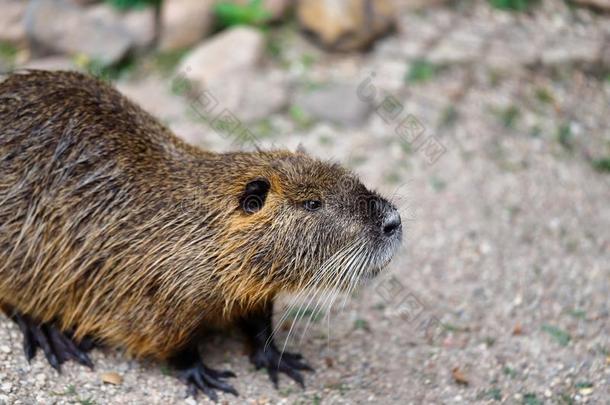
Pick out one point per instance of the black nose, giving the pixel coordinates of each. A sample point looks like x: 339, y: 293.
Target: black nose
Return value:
x: 391, y: 223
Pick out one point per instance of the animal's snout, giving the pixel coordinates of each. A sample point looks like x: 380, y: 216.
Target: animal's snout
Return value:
x: 391, y: 223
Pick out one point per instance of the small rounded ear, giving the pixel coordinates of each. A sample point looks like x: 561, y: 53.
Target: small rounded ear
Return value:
x: 301, y: 149
x: 255, y: 193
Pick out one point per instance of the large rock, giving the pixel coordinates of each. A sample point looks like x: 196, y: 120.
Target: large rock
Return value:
x: 249, y: 96
x: 512, y: 47
x: 463, y: 43
x: 346, y: 25
x: 410, y: 5
x: 226, y: 69
x: 185, y: 22
x: 225, y: 56
x: 254, y: 96
x: 600, y: 4
x: 139, y: 23
x: 52, y: 63
x: 573, y: 49
x: 12, y: 27
x: 338, y: 103
x: 62, y: 26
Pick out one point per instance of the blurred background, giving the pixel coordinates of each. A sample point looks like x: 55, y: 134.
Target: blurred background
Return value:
x: 486, y: 121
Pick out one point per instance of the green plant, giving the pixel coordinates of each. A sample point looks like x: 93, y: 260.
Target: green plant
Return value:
x: 437, y: 183
x: 495, y: 394
x: 531, y: 399
x: 602, y: 165
x: 562, y: 337
x: 166, y: 61
x: 99, y: 69
x: 544, y: 95
x: 564, y: 136
x: 565, y: 399
x: 578, y: 313
x: 129, y: 4
x: 509, y: 371
x: 8, y: 51
x: 301, y: 118
x: 228, y: 13
x: 509, y: 116
x: 165, y: 370
x: 513, y: 5
x: 421, y: 70
x: 361, y: 324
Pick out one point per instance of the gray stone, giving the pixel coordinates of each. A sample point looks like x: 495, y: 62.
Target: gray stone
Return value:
x: 337, y: 103
x: 262, y: 95
x: 568, y: 49
x: 601, y: 4
x: 460, y: 46
x: 224, y: 57
x: 250, y: 96
x: 139, y: 23
x: 513, y: 47
x: 184, y: 23
x: 12, y: 27
x: 51, y: 63
x: 60, y: 26
x: 85, y: 2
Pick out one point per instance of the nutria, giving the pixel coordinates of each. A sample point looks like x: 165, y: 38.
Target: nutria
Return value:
x: 113, y: 230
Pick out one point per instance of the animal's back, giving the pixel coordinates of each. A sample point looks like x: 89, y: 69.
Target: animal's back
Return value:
x: 75, y: 156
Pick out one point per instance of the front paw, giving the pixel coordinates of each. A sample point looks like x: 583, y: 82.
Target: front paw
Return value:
x: 276, y: 362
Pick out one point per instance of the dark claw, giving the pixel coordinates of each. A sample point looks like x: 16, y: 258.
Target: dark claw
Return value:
x: 221, y: 374
x: 45, y: 345
x: 295, y: 361
x: 275, y: 362
x: 258, y: 326
x: 86, y: 344
x: 67, y: 349
x: 57, y: 346
x: 295, y: 375
x: 207, y: 380
x: 273, y: 376
x: 29, y: 346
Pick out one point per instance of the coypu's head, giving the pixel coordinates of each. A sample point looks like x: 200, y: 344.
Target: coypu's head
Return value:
x: 313, y: 224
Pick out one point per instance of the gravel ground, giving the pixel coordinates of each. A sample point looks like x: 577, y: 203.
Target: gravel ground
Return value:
x: 501, y: 292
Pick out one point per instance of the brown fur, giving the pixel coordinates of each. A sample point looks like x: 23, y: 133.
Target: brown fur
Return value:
x: 114, y: 228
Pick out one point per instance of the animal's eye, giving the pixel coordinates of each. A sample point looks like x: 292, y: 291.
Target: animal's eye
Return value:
x: 312, y: 205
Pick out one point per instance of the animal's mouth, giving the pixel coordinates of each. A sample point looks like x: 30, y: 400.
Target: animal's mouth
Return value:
x: 384, y: 255
x: 360, y: 261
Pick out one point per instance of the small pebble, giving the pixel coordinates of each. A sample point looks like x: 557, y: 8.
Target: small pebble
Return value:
x: 586, y: 391
x: 112, y: 378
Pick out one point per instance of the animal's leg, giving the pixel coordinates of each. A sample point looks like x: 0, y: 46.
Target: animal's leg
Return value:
x: 57, y: 346
x: 198, y: 376
x: 258, y: 327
